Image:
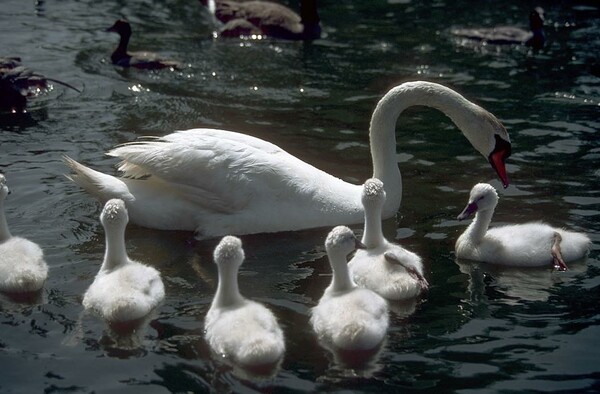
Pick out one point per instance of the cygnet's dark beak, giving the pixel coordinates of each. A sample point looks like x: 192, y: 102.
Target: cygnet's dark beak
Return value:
x: 468, y: 211
x: 359, y: 245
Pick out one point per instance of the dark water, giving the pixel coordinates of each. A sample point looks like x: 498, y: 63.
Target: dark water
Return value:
x: 478, y: 329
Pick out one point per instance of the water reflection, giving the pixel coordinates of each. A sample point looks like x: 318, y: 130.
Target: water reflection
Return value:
x: 353, y: 363
x: 511, y: 285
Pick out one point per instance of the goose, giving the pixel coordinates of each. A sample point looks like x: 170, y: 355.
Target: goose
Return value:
x: 124, y: 290
x: 508, y: 35
x: 22, y: 265
x: 218, y: 182
x: 266, y: 18
x: 534, y: 244
x: 144, y: 60
x: 348, y: 317
x: 384, y: 267
x: 242, y: 330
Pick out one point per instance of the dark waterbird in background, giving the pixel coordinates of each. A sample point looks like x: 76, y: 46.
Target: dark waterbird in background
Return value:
x: 265, y: 18
x: 144, y: 60
x: 510, y: 35
x: 18, y: 82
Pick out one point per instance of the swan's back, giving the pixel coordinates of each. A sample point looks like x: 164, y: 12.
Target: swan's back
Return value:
x: 207, y: 168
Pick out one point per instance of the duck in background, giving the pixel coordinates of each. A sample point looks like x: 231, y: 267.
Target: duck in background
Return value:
x: 18, y: 83
x: 242, y: 330
x: 265, y: 18
x: 124, y: 290
x: 143, y: 60
x: 22, y: 265
x: 533, y: 244
x: 510, y: 35
x: 384, y: 267
x: 348, y: 317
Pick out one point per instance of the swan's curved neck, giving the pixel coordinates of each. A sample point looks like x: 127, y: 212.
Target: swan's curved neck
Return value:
x: 480, y: 224
x: 4, y: 232
x: 115, y: 254
x: 373, y: 233
x: 341, y: 276
x: 228, y: 292
x: 382, y: 134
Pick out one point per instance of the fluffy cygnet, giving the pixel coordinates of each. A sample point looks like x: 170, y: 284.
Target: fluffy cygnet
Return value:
x: 347, y: 316
x: 22, y: 265
x: 124, y: 290
x: 384, y: 267
x: 242, y: 330
x: 533, y: 244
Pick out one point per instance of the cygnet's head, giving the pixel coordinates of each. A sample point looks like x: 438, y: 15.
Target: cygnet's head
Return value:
x: 483, y: 197
x: 229, y: 252
x: 121, y: 27
x: 114, y: 214
x: 373, y: 193
x: 3, y: 187
x: 342, y: 241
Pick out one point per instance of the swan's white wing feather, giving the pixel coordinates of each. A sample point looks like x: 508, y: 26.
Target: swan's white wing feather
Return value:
x: 216, y: 163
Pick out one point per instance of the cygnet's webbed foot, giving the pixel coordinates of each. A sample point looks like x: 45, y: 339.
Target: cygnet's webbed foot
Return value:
x: 559, y: 263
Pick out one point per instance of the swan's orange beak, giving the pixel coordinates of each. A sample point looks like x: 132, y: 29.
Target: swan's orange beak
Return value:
x: 498, y: 157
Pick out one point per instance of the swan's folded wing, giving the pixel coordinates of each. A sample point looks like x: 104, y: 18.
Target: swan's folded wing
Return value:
x: 221, y: 164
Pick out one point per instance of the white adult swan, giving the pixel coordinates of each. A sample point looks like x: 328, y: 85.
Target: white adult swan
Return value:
x: 240, y: 329
x: 219, y: 182
x: 22, y: 265
x: 124, y: 290
x: 347, y: 316
x: 525, y: 245
x: 384, y: 267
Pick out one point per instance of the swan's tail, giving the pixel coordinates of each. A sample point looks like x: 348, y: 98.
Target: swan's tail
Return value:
x: 102, y: 186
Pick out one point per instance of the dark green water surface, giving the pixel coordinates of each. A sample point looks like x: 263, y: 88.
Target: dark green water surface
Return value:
x: 478, y: 329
